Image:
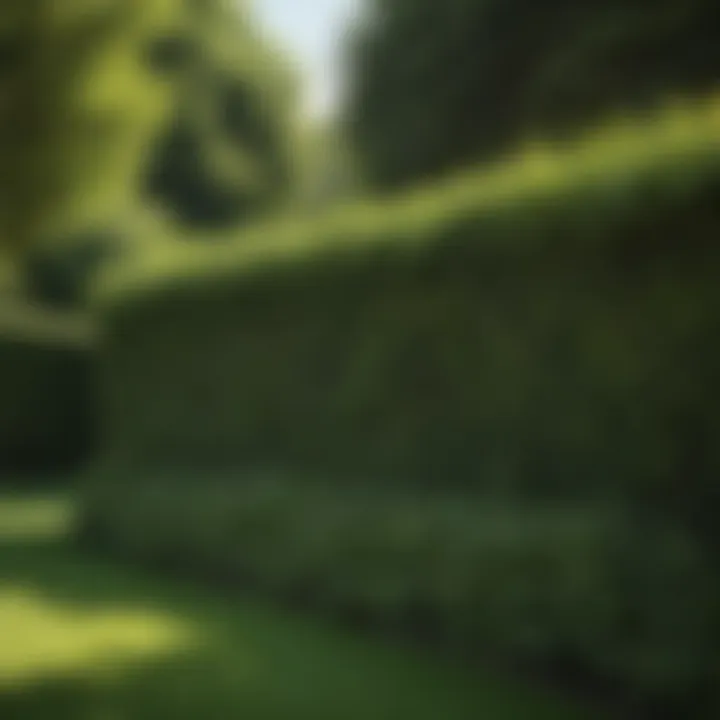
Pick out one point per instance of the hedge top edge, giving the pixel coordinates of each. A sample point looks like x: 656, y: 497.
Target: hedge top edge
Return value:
x: 673, y: 150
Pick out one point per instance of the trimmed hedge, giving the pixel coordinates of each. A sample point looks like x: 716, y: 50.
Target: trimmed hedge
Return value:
x: 545, y: 332
x: 445, y: 349
x: 46, y: 393
x: 568, y: 197
x: 578, y: 588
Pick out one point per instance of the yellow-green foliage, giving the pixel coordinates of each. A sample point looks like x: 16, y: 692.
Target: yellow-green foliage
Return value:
x: 229, y: 152
x: 46, y: 390
x: 78, y: 107
x: 58, y: 273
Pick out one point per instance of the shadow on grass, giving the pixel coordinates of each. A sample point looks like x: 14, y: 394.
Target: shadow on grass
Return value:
x: 83, y: 638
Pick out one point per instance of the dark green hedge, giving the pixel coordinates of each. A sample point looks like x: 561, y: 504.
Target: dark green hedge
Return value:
x: 609, y: 595
x: 547, y: 332
x: 446, y: 350
x: 47, y: 394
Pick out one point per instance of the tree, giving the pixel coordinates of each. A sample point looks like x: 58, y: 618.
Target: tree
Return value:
x: 228, y: 155
x: 59, y: 273
x: 222, y: 155
x: 76, y: 111
x: 630, y: 57
x: 438, y: 85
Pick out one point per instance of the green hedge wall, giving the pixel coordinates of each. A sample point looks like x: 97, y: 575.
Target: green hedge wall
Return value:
x: 47, y: 393
x: 543, y: 333
x: 550, y: 336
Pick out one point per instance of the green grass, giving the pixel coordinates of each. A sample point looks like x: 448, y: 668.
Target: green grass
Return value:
x: 88, y: 639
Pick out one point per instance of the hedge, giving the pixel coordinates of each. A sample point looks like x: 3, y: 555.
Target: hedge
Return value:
x: 589, y: 592
x: 448, y: 350
x: 47, y: 393
x: 569, y: 196
x: 543, y: 332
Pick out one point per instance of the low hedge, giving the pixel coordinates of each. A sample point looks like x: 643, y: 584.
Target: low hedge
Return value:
x: 47, y: 393
x: 619, y: 597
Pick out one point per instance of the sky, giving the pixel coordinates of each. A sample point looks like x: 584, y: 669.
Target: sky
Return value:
x: 311, y: 30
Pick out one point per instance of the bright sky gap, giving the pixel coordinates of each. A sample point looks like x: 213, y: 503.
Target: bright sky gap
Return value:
x: 311, y: 31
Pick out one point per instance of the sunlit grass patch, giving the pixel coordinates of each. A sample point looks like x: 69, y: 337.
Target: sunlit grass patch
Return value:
x: 82, y: 638
x: 41, y: 637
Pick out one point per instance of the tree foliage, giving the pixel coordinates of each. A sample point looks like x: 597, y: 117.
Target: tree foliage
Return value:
x: 227, y: 154
x: 221, y: 153
x: 76, y: 107
x: 439, y: 85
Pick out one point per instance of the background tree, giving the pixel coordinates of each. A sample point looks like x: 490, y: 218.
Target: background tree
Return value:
x: 437, y: 85
x: 224, y: 154
x: 229, y: 153
x: 628, y: 56
x: 327, y: 168
x: 76, y: 110
x: 58, y: 273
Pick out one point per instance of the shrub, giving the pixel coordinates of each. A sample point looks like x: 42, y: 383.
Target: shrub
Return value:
x: 46, y: 386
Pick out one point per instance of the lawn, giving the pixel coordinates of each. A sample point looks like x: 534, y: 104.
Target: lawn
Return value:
x: 83, y: 638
